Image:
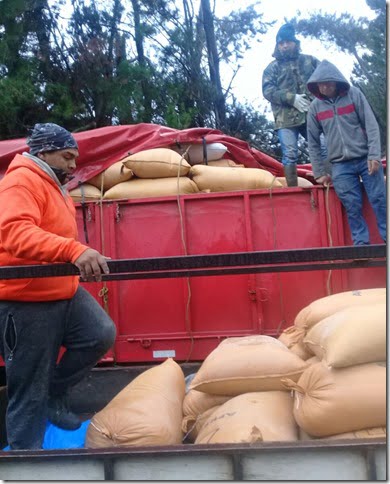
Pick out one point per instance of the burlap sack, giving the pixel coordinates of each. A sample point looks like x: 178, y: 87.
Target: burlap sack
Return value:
x: 90, y: 193
x: 373, y: 433
x: 195, y: 403
x: 148, y: 411
x: 292, y: 337
x: 251, y: 417
x: 194, y: 153
x: 302, y: 182
x: 114, y: 174
x: 191, y: 427
x: 221, y: 179
x: 225, y: 162
x: 351, y: 336
x: 247, y: 364
x: 159, y: 187
x: 326, y: 306
x: 330, y: 401
x: 157, y: 163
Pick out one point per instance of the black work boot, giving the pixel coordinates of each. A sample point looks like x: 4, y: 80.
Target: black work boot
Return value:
x: 59, y: 414
x: 290, y: 172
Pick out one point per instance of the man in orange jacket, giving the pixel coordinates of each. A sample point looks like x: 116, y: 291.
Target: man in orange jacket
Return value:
x: 38, y: 316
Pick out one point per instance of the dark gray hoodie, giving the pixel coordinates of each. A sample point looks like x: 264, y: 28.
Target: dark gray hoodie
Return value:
x: 347, y: 121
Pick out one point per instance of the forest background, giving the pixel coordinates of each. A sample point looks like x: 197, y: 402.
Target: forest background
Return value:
x: 116, y: 62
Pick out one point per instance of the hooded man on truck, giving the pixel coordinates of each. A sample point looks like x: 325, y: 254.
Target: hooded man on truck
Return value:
x: 39, y: 315
x: 342, y: 113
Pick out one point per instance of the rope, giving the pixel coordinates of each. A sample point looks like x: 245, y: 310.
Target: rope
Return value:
x: 187, y: 313
x: 103, y: 293
x: 281, y: 299
x: 329, y: 225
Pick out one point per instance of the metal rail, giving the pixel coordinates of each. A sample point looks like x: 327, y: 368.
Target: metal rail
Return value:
x: 218, y: 264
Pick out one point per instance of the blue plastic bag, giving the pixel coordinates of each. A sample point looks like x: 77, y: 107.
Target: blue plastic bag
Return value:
x: 56, y: 438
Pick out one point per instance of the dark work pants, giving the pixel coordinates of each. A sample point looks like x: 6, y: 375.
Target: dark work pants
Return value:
x: 32, y: 334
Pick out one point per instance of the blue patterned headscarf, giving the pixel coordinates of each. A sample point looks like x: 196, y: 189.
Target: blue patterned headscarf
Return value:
x: 50, y: 137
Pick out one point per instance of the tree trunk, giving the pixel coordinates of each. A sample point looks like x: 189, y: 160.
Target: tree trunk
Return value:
x: 213, y: 60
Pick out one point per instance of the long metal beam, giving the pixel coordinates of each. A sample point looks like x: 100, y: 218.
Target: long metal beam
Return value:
x: 218, y: 264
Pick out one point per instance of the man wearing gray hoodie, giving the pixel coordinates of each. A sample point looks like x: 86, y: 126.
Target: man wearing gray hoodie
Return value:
x: 342, y: 113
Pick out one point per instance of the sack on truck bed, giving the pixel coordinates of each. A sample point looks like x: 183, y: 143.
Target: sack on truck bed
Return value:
x: 251, y: 417
x: 148, y: 411
x: 145, y: 188
x: 350, y: 337
x: 89, y: 193
x: 114, y: 174
x: 326, y: 306
x: 247, y: 364
x: 157, y: 163
x: 330, y: 401
x: 222, y: 179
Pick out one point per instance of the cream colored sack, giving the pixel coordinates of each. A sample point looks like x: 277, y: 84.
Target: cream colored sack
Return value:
x: 373, y: 433
x: 114, y: 174
x: 350, y: 337
x: 90, y: 193
x: 191, y: 427
x: 159, y: 187
x: 330, y: 401
x: 225, y: 162
x: 292, y: 337
x: 221, y: 179
x: 302, y: 182
x: 148, y: 411
x: 157, y: 163
x: 326, y: 306
x: 247, y: 364
x: 195, y: 403
x: 251, y: 417
x: 194, y: 152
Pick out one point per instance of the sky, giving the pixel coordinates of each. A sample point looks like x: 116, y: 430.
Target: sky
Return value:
x: 247, y: 83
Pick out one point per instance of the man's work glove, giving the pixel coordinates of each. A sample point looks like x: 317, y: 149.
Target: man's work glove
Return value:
x: 301, y: 103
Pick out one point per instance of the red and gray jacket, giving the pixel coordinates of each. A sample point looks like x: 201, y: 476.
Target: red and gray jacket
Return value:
x: 347, y: 121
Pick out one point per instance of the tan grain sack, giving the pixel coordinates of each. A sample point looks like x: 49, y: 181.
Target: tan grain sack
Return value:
x: 302, y: 182
x: 90, y: 193
x: 191, y: 427
x: 247, y: 364
x: 159, y: 187
x: 350, y: 337
x: 292, y: 337
x: 220, y: 179
x: 251, y: 417
x: 330, y: 401
x: 225, y: 162
x: 194, y: 153
x: 116, y: 173
x: 326, y: 306
x: 373, y: 433
x: 148, y: 411
x: 157, y: 163
x: 195, y: 403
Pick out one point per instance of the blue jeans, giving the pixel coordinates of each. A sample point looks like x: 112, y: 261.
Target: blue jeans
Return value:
x: 32, y: 334
x: 288, y: 138
x: 346, y: 181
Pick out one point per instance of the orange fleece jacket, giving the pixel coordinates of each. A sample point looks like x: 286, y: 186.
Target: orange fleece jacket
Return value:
x: 37, y: 226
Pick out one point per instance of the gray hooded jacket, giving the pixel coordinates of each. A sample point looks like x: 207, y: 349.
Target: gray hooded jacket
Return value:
x: 347, y: 121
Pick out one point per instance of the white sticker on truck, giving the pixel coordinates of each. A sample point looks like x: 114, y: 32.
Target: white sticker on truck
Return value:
x: 164, y: 354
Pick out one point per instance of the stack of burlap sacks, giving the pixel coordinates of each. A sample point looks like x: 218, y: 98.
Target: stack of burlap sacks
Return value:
x: 258, y: 388
x: 163, y: 171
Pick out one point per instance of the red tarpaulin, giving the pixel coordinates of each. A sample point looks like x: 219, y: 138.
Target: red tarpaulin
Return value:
x: 100, y: 148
